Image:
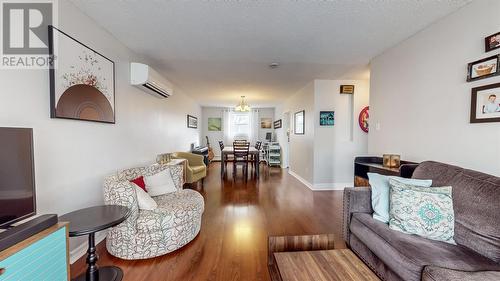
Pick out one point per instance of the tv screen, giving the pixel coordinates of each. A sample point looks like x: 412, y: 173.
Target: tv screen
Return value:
x: 17, y: 184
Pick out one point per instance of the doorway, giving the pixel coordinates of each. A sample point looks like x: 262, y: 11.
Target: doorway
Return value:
x: 286, y: 140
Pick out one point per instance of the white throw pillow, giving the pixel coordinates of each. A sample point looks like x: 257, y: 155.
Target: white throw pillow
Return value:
x: 160, y: 183
x: 380, y: 193
x: 144, y: 201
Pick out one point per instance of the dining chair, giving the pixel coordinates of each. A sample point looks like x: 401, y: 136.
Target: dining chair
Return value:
x: 221, y: 145
x: 240, y: 152
x: 257, y: 146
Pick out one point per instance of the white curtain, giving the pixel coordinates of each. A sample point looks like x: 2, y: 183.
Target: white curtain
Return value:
x: 226, y: 128
x: 254, y: 126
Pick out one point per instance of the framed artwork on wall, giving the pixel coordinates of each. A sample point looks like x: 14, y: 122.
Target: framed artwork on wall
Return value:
x: 492, y: 42
x: 347, y: 89
x: 82, y: 81
x: 299, y: 122
x: 484, y: 68
x: 485, y: 104
x: 192, y: 122
x: 214, y: 124
x: 327, y: 118
x: 277, y: 124
x: 266, y: 123
x: 363, y: 119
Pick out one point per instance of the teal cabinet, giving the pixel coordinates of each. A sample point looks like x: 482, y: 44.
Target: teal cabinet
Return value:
x: 41, y: 257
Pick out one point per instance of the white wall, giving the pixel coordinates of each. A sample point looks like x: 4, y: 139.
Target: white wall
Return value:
x: 421, y: 100
x: 335, y: 147
x: 323, y: 157
x: 213, y: 136
x: 266, y: 113
x: 72, y: 157
x: 301, y: 147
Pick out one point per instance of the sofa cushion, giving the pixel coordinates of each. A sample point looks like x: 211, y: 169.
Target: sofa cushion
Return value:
x: 197, y: 169
x: 432, y: 273
x: 475, y: 201
x: 176, y: 208
x: 407, y: 254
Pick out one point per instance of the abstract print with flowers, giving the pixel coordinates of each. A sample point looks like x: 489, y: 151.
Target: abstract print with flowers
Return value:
x: 424, y: 211
x: 82, y: 81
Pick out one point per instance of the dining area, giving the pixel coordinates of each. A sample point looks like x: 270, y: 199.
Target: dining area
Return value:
x: 241, y: 154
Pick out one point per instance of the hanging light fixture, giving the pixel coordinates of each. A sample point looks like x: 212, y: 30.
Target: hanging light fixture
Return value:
x: 242, y: 106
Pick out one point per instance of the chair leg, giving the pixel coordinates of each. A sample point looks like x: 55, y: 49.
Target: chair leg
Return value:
x: 246, y: 171
x: 202, y: 180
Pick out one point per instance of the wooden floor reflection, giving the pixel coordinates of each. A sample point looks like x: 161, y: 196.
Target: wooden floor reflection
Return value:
x: 239, y: 215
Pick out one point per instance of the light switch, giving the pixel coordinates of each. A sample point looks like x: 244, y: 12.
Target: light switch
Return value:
x: 377, y: 126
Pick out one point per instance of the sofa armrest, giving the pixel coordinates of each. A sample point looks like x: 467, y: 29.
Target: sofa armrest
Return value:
x: 177, y: 173
x: 356, y: 200
x: 434, y: 273
x: 122, y: 193
x: 193, y: 159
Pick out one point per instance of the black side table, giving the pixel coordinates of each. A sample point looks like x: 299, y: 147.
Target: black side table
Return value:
x: 89, y: 221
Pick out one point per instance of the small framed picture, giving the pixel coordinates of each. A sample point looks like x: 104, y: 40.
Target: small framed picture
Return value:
x: 192, y: 122
x: 214, y: 124
x: 492, y: 42
x: 265, y: 123
x: 347, y: 89
x: 299, y: 123
x: 485, y: 104
x: 484, y: 68
x: 326, y: 118
x: 277, y: 124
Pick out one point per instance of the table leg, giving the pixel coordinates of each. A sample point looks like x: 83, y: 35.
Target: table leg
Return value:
x: 257, y: 164
x: 93, y: 273
x: 92, y: 270
x: 223, y: 164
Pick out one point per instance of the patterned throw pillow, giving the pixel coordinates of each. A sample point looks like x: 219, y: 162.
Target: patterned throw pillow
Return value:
x: 424, y: 211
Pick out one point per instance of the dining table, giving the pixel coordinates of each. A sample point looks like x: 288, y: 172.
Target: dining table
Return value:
x: 228, y: 150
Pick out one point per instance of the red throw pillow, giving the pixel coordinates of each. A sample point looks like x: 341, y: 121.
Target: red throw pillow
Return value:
x: 140, y: 182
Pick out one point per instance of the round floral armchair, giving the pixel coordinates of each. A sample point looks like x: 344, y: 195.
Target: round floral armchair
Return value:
x: 151, y: 233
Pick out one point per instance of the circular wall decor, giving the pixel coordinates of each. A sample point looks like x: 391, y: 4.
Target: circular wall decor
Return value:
x: 363, y: 119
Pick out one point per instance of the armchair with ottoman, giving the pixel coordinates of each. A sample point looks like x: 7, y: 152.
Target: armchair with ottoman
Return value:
x: 196, y: 168
x: 393, y: 255
x: 151, y: 233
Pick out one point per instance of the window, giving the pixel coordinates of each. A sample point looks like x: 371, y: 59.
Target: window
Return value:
x: 240, y: 125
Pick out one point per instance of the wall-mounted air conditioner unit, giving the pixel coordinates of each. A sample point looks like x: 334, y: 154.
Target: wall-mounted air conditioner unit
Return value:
x: 146, y: 78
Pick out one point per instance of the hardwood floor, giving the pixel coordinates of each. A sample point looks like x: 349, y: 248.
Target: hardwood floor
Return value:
x: 238, y: 218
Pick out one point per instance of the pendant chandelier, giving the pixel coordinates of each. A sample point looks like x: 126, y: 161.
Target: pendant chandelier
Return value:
x: 242, y: 106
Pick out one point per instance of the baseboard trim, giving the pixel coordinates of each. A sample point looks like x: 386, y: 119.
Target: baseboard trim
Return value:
x: 321, y: 186
x: 332, y: 186
x: 301, y: 179
x: 81, y: 250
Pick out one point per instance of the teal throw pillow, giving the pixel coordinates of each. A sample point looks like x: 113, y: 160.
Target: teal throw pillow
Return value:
x: 424, y: 211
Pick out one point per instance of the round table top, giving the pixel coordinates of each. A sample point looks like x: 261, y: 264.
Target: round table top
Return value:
x: 94, y: 219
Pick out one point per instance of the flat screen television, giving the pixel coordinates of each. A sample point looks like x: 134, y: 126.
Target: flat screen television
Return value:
x: 17, y: 176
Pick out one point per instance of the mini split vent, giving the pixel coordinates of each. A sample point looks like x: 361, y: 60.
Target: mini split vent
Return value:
x: 146, y: 78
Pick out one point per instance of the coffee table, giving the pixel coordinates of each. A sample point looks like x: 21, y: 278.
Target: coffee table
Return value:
x: 323, y: 265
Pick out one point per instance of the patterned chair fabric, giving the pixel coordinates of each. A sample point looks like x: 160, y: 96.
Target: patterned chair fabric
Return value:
x: 151, y: 233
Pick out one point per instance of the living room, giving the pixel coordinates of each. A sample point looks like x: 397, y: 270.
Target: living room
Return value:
x: 321, y: 92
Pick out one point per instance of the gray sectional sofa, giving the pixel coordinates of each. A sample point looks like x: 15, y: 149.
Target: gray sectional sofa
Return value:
x: 393, y: 255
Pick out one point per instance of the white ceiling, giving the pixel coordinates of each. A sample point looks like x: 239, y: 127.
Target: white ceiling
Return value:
x: 216, y: 51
